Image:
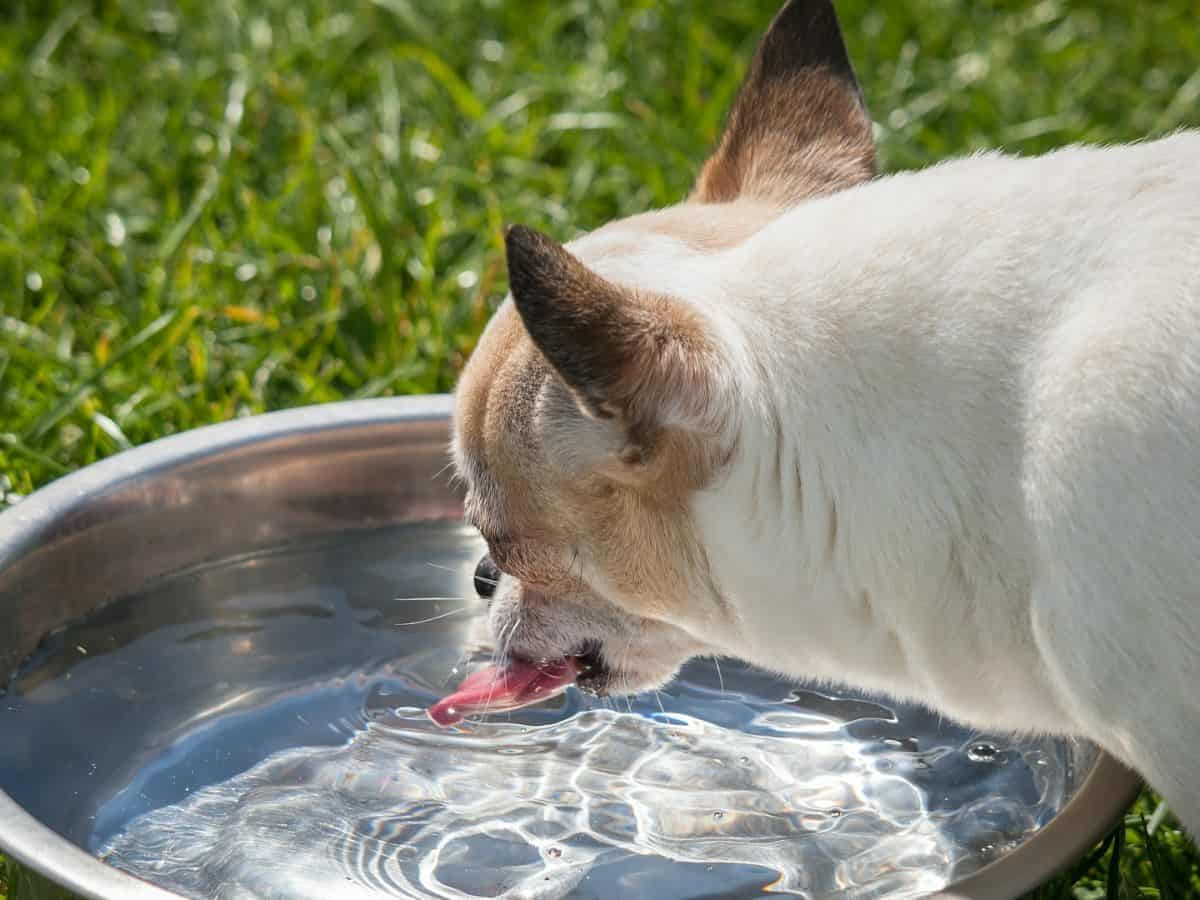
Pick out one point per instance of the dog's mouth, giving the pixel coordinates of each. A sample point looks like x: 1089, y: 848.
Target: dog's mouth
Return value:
x: 594, y: 674
x: 519, y: 683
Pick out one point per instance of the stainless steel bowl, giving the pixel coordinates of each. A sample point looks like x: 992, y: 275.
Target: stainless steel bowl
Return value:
x: 250, y: 484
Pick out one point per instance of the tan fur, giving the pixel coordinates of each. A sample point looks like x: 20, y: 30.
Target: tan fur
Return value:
x: 584, y: 422
x: 716, y: 227
x: 528, y: 507
x: 777, y: 150
x: 795, y: 158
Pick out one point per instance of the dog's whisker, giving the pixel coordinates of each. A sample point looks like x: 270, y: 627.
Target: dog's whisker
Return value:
x: 576, y: 557
x: 479, y: 578
x: 444, y: 615
x: 720, y: 677
x: 497, y: 648
x: 512, y: 633
x: 440, y: 472
x: 503, y: 643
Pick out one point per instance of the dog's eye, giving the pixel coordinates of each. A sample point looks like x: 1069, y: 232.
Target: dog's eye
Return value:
x: 487, y: 576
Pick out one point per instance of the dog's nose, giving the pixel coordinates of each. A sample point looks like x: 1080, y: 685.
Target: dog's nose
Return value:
x: 487, y: 576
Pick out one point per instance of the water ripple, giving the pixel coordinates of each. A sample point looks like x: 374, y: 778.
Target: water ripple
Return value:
x: 264, y: 738
x: 595, y: 802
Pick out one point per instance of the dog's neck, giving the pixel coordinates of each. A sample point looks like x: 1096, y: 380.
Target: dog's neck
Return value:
x: 871, y: 528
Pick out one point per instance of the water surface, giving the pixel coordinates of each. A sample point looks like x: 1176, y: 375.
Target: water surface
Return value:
x: 254, y: 728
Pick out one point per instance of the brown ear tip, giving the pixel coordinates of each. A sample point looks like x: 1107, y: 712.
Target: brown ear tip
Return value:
x: 516, y: 245
x: 525, y: 247
x: 520, y: 234
x: 521, y: 241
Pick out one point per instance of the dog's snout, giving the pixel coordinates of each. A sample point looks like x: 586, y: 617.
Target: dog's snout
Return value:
x: 487, y: 576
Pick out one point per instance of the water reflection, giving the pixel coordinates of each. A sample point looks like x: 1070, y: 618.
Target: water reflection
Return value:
x: 263, y: 737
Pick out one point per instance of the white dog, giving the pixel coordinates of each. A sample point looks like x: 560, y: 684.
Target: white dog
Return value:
x: 935, y: 434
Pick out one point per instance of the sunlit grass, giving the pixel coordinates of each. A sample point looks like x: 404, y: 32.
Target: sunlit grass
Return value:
x: 211, y: 209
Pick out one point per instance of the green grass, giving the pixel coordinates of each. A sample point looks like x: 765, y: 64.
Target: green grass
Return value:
x: 212, y: 208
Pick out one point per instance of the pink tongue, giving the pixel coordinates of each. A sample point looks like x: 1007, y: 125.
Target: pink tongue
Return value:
x: 495, y: 690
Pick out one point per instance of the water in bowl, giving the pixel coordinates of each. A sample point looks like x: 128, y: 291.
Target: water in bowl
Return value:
x: 254, y: 728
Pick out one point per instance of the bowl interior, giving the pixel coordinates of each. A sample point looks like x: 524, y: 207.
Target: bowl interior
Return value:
x: 223, y: 644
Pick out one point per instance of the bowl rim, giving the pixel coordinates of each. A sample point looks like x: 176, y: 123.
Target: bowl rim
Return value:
x: 1106, y: 793
x: 22, y: 836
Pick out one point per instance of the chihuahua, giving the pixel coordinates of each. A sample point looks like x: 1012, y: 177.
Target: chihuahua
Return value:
x: 934, y: 435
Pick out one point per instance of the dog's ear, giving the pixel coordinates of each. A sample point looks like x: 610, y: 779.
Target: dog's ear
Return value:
x: 642, y: 360
x: 799, y: 126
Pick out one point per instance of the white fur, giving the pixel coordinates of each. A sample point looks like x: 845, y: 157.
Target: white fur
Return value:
x: 966, y: 410
x: 987, y: 374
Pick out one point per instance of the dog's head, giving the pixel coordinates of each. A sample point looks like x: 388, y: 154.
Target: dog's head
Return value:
x: 603, y: 394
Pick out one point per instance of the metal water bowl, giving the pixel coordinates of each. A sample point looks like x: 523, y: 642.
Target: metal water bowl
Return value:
x: 255, y: 483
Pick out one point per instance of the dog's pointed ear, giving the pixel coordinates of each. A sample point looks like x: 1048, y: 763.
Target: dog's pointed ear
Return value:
x: 799, y: 126
x: 644, y: 360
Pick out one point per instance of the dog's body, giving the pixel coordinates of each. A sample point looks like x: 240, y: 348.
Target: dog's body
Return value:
x: 977, y: 462
x: 936, y: 434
